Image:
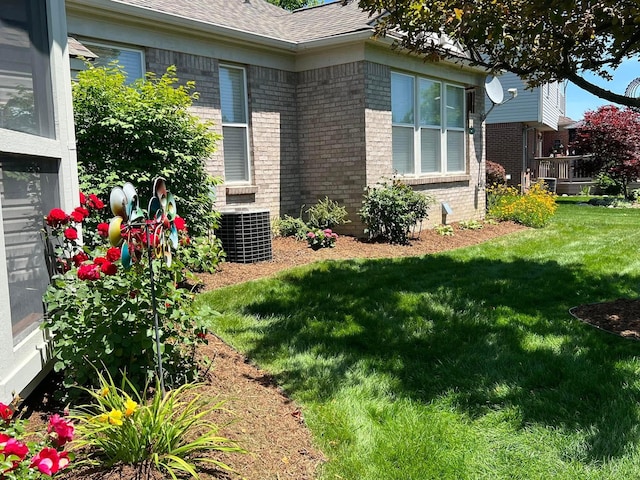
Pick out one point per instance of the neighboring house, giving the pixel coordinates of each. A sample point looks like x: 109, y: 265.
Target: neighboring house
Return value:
x: 529, y: 126
x: 308, y: 103
x: 37, y: 173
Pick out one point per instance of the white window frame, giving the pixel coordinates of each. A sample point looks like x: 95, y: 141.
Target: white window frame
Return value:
x: 76, y: 66
x: 245, y: 125
x: 442, y: 127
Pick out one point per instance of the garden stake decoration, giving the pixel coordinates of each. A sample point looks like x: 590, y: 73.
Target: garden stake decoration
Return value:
x: 131, y: 226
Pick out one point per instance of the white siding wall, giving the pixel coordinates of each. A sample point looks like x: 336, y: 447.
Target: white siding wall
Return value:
x: 541, y: 106
x: 22, y: 363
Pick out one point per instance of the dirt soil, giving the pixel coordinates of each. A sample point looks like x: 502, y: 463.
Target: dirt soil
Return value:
x: 260, y: 417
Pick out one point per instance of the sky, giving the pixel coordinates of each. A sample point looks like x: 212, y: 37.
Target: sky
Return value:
x: 579, y: 101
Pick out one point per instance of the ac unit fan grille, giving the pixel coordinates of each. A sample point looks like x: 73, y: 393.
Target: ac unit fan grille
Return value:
x: 246, y: 236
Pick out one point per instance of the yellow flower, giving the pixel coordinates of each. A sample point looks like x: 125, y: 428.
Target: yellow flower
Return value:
x: 130, y: 407
x: 104, y: 392
x: 102, y: 418
x: 115, y: 417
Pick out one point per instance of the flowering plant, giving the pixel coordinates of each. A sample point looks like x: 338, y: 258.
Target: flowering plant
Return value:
x: 169, y: 431
x: 32, y: 456
x: 317, y: 238
x: 102, y: 313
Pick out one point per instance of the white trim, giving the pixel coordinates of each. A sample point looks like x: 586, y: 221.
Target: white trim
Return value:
x: 245, y: 125
x: 442, y: 128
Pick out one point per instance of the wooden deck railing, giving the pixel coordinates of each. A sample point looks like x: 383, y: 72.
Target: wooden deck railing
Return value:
x: 564, y: 169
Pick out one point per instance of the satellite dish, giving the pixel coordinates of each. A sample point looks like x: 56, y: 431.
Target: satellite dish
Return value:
x: 493, y: 87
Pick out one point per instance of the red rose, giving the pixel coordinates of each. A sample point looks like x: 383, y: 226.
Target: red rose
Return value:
x: 99, y: 260
x: 109, y: 268
x: 95, y: 202
x: 180, y: 223
x: 77, y: 216
x: 83, y: 199
x: 71, y: 233
x: 103, y: 230
x: 113, y: 254
x: 79, y: 258
x: 89, y: 272
x: 5, y: 412
x: 57, y: 217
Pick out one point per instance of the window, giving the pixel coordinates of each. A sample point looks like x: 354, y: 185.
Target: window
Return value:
x: 26, y: 101
x: 28, y: 188
x: 428, y: 124
x: 130, y: 59
x: 235, y: 126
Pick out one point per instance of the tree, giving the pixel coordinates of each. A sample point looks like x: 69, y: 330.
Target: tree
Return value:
x: 140, y: 131
x: 540, y: 41
x: 612, y: 137
x: 294, y: 4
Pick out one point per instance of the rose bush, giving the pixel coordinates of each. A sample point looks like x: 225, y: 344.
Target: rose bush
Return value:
x: 102, y: 314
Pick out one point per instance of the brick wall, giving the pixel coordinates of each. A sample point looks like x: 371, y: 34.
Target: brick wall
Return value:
x: 274, y: 136
x: 331, y: 132
x: 504, y: 146
x: 322, y: 132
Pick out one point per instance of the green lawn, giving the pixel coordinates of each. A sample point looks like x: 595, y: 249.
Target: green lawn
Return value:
x: 462, y: 365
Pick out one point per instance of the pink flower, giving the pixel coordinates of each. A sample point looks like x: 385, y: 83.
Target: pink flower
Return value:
x: 103, y: 230
x: 49, y: 461
x: 311, y: 235
x: 62, y: 428
x: 327, y: 231
x: 5, y: 412
x: 89, y: 272
x: 57, y: 217
x: 113, y: 254
x: 11, y: 446
x: 71, y: 233
x: 109, y: 268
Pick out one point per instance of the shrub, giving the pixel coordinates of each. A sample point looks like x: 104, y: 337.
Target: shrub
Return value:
x: 390, y: 210
x: 99, y: 312
x: 201, y: 254
x: 607, y: 185
x: 533, y: 209
x: 496, y: 174
x: 326, y: 214
x: 141, y: 131
x: 289, y: 226
x: 317, y: 238
x: 169, y: 431
x: 35, y: 455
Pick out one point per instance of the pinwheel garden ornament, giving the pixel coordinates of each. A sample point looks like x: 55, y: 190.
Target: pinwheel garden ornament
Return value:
x: 132, y: 229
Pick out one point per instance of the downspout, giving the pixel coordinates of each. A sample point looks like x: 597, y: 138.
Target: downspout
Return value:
x: 525, y: 148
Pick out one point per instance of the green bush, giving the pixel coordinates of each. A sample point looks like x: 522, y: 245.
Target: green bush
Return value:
x: 289, y: 226
x: 326, y: 214
x: 141, y: 131
x: 202, y: 254
x: 390, y: 210
x: 607, y: 185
